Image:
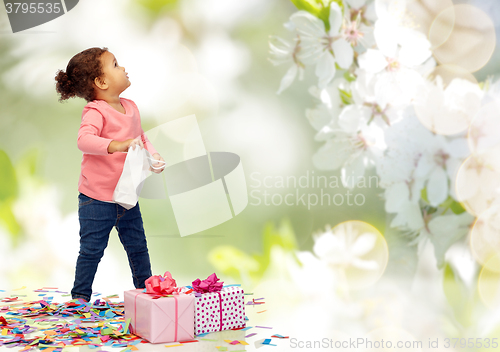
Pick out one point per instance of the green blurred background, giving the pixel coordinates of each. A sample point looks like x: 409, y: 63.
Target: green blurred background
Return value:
x: 216, y: 54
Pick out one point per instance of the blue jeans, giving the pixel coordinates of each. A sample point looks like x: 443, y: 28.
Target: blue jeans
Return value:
x: 97, y: 219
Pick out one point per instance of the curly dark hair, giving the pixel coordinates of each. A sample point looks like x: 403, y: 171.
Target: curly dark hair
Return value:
x: 78, y: 80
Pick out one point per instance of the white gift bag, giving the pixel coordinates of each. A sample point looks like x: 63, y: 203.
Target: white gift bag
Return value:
x: 135, y: 171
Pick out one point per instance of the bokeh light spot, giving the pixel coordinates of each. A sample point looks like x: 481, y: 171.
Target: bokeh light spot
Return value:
x: 449, y: 101
x: 357, y: 250
x: 484, y: 131
x: 424, y: 12
x: 489, y: 283
x: 478, y: 181
x: 485, y: 239
x: 471, y: 41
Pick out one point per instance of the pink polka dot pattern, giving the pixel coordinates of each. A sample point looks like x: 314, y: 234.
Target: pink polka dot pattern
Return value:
x: 207, y: 310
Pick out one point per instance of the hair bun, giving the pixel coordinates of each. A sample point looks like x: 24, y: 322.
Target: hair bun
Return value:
x: 64, y: 85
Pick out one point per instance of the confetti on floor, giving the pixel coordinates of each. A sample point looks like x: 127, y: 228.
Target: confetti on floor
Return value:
x: 279, y: 336
x: 268, y: 342
x: 54, y: 327
x: 175, y: 344
x: 97, y: 324
x: 236, y: 342
x: 189, y: 341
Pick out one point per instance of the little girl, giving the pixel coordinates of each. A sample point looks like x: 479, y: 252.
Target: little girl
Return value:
x: 110, y: 125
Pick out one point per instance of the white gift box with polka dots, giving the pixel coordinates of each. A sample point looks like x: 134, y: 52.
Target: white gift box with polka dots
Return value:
x: 227, y: 304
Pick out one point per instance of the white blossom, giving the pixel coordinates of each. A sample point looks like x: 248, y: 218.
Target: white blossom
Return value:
x: 352, y: 152
x: 438, y: 166
x: 358, y: 19
x: 324, y: 117
x: 281, y: 52
x: 322, y: 48
x: 444, y: 230
x: 396, y: 80
x: 366, y: 108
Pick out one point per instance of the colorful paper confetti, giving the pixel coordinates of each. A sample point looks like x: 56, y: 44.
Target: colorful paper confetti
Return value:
x: 268, y: 342
x: 104, y: 325
x: 51, y: 327
x: 174, y: 344
x: 190, y: 341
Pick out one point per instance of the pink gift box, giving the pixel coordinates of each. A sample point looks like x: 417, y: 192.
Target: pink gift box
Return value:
x: 217, y: 311
x: 166, y: 319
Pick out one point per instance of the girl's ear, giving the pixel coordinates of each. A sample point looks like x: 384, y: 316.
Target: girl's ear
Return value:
x: 101, y: 83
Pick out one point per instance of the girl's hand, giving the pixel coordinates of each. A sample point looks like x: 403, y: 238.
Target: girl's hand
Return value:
x: 133, y: 143
x: 117, y: 146
x: 160, y: 166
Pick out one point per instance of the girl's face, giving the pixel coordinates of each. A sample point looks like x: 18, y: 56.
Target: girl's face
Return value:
x: 114, y: 75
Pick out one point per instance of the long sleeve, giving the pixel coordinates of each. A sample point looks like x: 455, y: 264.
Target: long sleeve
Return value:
x: 89, y: 134
x: 147, y: 144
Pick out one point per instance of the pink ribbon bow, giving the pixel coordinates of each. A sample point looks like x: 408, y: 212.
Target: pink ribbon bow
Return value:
x: 210, y: 284
x: 161, y: 285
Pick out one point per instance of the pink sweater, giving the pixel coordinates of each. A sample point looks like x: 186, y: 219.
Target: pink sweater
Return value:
x: 100, y: 125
